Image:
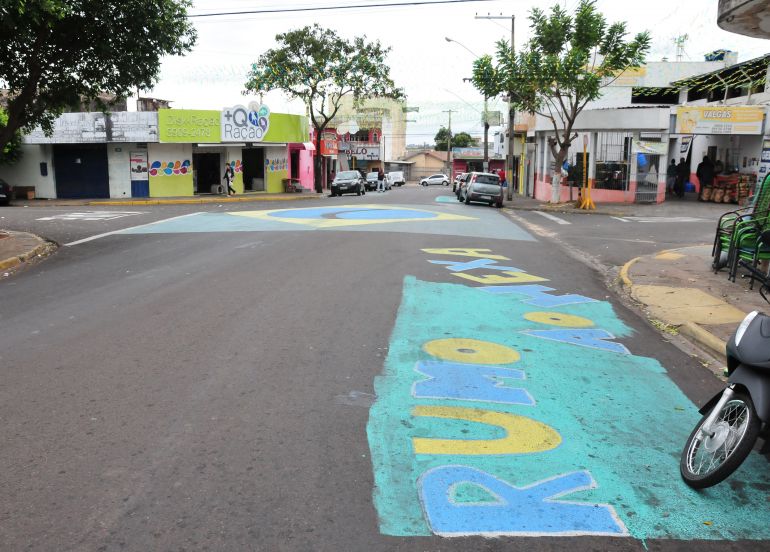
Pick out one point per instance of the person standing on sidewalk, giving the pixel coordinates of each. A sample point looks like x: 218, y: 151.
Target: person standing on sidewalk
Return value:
x: 671, y: 177
x: 705, y: 172
x: 682, y: 174
x: 228, y: 177
x: 380, y: 181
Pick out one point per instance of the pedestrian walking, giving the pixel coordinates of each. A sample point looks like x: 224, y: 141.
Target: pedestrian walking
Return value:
x: 671, y: 177
x: 682, y: 175
x: 228, y: 177
x: 503, y: 181
x: 380, y: 181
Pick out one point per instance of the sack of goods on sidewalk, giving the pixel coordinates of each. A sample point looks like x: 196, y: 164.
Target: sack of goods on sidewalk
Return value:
x: 731, y: 188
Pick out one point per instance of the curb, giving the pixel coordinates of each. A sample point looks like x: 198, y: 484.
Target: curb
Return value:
x: 561, y: 209
x: 695, y: 332
x: 704, y: 338
x: 203, y: 200
x: 13, y: 262
x: 624, y: 272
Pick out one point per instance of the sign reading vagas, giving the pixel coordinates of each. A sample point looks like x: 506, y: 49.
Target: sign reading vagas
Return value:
x: 245, y: 124
x: 719, y: 119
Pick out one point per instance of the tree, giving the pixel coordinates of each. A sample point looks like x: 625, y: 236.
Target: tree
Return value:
x: 565, y: 65
x: 459, y: 140
x: 59, y: 53
x: 12, y: 151
x: 318, y: 67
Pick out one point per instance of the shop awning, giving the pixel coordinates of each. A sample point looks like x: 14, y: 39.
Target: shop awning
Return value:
x: 309, y: 146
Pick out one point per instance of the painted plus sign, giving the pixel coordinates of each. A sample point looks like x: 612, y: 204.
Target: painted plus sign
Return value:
x: 228, y: 115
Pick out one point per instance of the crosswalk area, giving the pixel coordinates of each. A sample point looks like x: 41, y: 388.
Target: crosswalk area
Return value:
x: 92, y: 215
x: 563, y: 220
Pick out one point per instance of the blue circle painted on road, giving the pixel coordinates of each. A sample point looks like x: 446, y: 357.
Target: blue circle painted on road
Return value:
x: 377, y: 214
x: 353, y: 213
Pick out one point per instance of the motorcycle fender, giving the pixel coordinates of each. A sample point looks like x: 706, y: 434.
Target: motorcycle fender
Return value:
x: 706, y: 408
x: 758, y: 387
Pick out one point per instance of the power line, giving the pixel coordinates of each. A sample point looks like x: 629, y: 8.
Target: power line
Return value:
x: 326, y: 8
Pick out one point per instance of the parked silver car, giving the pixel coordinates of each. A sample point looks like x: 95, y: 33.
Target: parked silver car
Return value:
x: 440, y: 179
x: 482, y: 188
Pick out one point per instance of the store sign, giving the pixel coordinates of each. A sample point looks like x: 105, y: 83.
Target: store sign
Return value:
x: 188, y: 126
x: 245, y: 124
x: 649, y: 148
x: 362, y: 152
x: 98, y: 128
x: 720, y: 120
x: 139, y: 168
x: 329, y: 147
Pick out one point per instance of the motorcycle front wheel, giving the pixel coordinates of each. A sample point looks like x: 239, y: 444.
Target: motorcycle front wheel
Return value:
x: 708, y: 459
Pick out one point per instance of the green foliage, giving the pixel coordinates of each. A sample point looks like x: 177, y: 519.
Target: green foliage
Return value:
x: 319, y: 67
x: 11, y: 152
x: 58, y: 53
x: 459, y: 140
x: 565, y: 65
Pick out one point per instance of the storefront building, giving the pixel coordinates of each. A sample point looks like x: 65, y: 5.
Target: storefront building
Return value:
x: 172, y: 152
x: 628, y: 148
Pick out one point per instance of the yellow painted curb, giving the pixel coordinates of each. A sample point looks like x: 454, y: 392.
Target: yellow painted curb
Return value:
x: 704, y: 337
x: 624, y: 272
x: 12, y: 262
x: 203, y: 200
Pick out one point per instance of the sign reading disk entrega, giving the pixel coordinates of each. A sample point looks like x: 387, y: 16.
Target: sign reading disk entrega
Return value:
x: 245, y: 124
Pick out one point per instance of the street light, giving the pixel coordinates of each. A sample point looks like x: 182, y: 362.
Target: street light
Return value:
x: 486, y: 116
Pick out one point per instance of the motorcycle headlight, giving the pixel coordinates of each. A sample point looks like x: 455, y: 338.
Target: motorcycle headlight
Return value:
x: 739, y: 333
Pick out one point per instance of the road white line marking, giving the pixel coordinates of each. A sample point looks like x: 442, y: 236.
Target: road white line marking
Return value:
x: 621, y: 219
x: 557, y: 220
x: 97, y: 236
x: 93, y: 215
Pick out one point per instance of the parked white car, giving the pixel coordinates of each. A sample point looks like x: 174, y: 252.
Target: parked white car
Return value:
x: 440, y: 179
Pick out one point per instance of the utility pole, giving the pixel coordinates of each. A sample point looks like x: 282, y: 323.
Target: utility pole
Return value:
x: 449, y: 144
x: 511, y: 109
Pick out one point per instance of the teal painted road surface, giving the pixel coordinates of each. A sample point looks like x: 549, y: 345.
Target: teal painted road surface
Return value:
x: 517, y: 411
x: 440, y: 220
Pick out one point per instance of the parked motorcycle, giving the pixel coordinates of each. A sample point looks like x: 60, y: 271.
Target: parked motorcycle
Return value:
x: 732, y: 419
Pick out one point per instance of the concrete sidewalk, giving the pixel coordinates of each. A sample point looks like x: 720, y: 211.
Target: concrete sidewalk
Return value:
x: 183, y: 200
x: 678, y: 289
x: 689, y: 207
x: 17, y: 248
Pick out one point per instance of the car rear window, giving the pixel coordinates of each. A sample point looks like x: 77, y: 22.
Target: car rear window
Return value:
x: 487, y: 179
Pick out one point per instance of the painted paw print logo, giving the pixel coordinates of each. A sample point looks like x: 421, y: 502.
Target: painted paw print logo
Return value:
x: 170, y: 168
x: 246, y: 123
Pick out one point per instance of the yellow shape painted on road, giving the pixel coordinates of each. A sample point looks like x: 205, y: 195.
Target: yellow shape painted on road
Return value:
x: 275, y: 216
x: 494, y: 279
x: 460, y: 252
x: 471, y: 351
x: 675, y: 305
x: 559, y: 319
x: 522, y: 435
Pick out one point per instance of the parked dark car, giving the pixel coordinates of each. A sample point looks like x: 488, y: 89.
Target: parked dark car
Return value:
x: 6, y: 192
x: 482, y: 188
x: 348, y: 182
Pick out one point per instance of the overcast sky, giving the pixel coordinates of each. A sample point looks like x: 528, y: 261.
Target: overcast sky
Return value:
x: 422, y: 62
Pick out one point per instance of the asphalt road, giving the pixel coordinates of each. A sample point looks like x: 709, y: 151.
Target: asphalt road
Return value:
x: 242, y: 381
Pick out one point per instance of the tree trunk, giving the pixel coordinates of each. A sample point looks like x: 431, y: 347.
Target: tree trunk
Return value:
x: 557, y: 175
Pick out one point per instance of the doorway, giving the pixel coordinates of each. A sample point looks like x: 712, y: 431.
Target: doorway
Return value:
x: 81, y: 171
x: 294, y: 164
x: 208, y: 172
x: 253, y: 169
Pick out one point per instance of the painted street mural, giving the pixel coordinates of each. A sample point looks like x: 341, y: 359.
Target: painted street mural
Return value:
x: 510, y: 408
x: 354, y: 218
